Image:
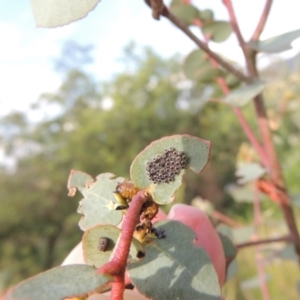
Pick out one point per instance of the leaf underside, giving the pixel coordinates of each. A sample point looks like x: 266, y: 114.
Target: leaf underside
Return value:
x: 59, y: 283
x: 90, y: 244
x: 243, y: 95
x: 175, y: 267
x: 55, y: 13
x: 277, y: 43
x: 97, y: 205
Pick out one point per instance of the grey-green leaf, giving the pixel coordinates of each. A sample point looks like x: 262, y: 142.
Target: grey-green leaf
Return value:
x: 254, y: 282
x: 249, y: 172
x: 218, y: 31
x: 241, y: 193
x: 97, y: 205
x: 54, y: 13
x: 175, y: 267
x: 197, y: 151
x: 241, y: 96
x: 59, y: 283
x: 206, y: 15
x: 193, y: 62
x: 197, y: 67
x: 231, y: 270
x: 277, y: 43
x: 288, y: 252
x: 185, y: 12
x: 90, y: 245
x: 242, y: 234
x: 229, y: 249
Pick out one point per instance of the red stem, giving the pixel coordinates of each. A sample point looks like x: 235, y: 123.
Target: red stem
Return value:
x: 118, y: 261
x: 234, y: 24
x: 225, y: 219
x: 117, y: 288
x: 258, y: 256
x: 275, y: 168
x: 178, y: 23
x: 251, y: 137
x: 262, y: 21
x: 243, y: 122
x: 286, y: 239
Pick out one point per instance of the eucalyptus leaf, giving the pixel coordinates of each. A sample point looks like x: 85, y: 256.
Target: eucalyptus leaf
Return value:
x: 54, y: 13
x: 79, y: 180
x: 241, y: 193
x: 175, y: 267
x: 206, y: 15
x: 254, y: 282
x: 231, y: 270
x: 60, y: 283
x: 193, y: 62
x: 288, y: 252
x: 242, y: 234
x: 97, y: 205
x: 218, y: 31
x: 90, y: 245
x: 197, y: 151
x: 197, y: 67
x: 229, y: 249
x: 187, y: 13
x: 231, y: 80
x: 243, y: 95
x: 296, y: 200
x: 277, y: 43
x: 249, y: 172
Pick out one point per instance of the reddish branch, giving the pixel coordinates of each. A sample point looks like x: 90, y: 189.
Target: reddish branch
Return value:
x: 117, y: 264
x: 237, y: 111
x: 262, y: 22
x: 286, y: 239
x: 275, y: 168
x: 225, y: 219
x: 178, y: 23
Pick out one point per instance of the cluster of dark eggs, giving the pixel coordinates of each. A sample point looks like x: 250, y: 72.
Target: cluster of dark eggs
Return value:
x: 164, y: 167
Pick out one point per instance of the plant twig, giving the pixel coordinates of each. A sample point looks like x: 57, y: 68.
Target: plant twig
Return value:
x: 258, y: 256
x: 234, y: 23
x: 262, y: 21
x: 157, y: 6
x: 251, y: 137
x: 286, y: 239
x: 118, y: 287
x: 243, y: 122
x: 117, y: 263
x: 275, y: 168
x: 178, y: 23
x: 225, y: 219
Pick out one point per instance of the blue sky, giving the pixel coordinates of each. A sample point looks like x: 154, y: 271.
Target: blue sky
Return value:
x: 27, y: 52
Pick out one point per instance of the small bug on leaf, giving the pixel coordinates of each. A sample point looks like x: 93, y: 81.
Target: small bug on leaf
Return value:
x: 103, y: 244
x: 124, y: 193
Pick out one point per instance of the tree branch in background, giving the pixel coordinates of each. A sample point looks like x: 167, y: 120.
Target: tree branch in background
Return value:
x: 178, y: 23
x: 262, y: 21
x: 268, y: 144
x: 286, y: 239
x: 157, y: 7
x: 234, y: 24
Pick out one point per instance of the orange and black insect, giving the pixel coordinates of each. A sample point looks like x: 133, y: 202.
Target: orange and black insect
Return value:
x: 103, y: 244
x: 126, y: 189
x: 124, y: 193
x: 149, y: 209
